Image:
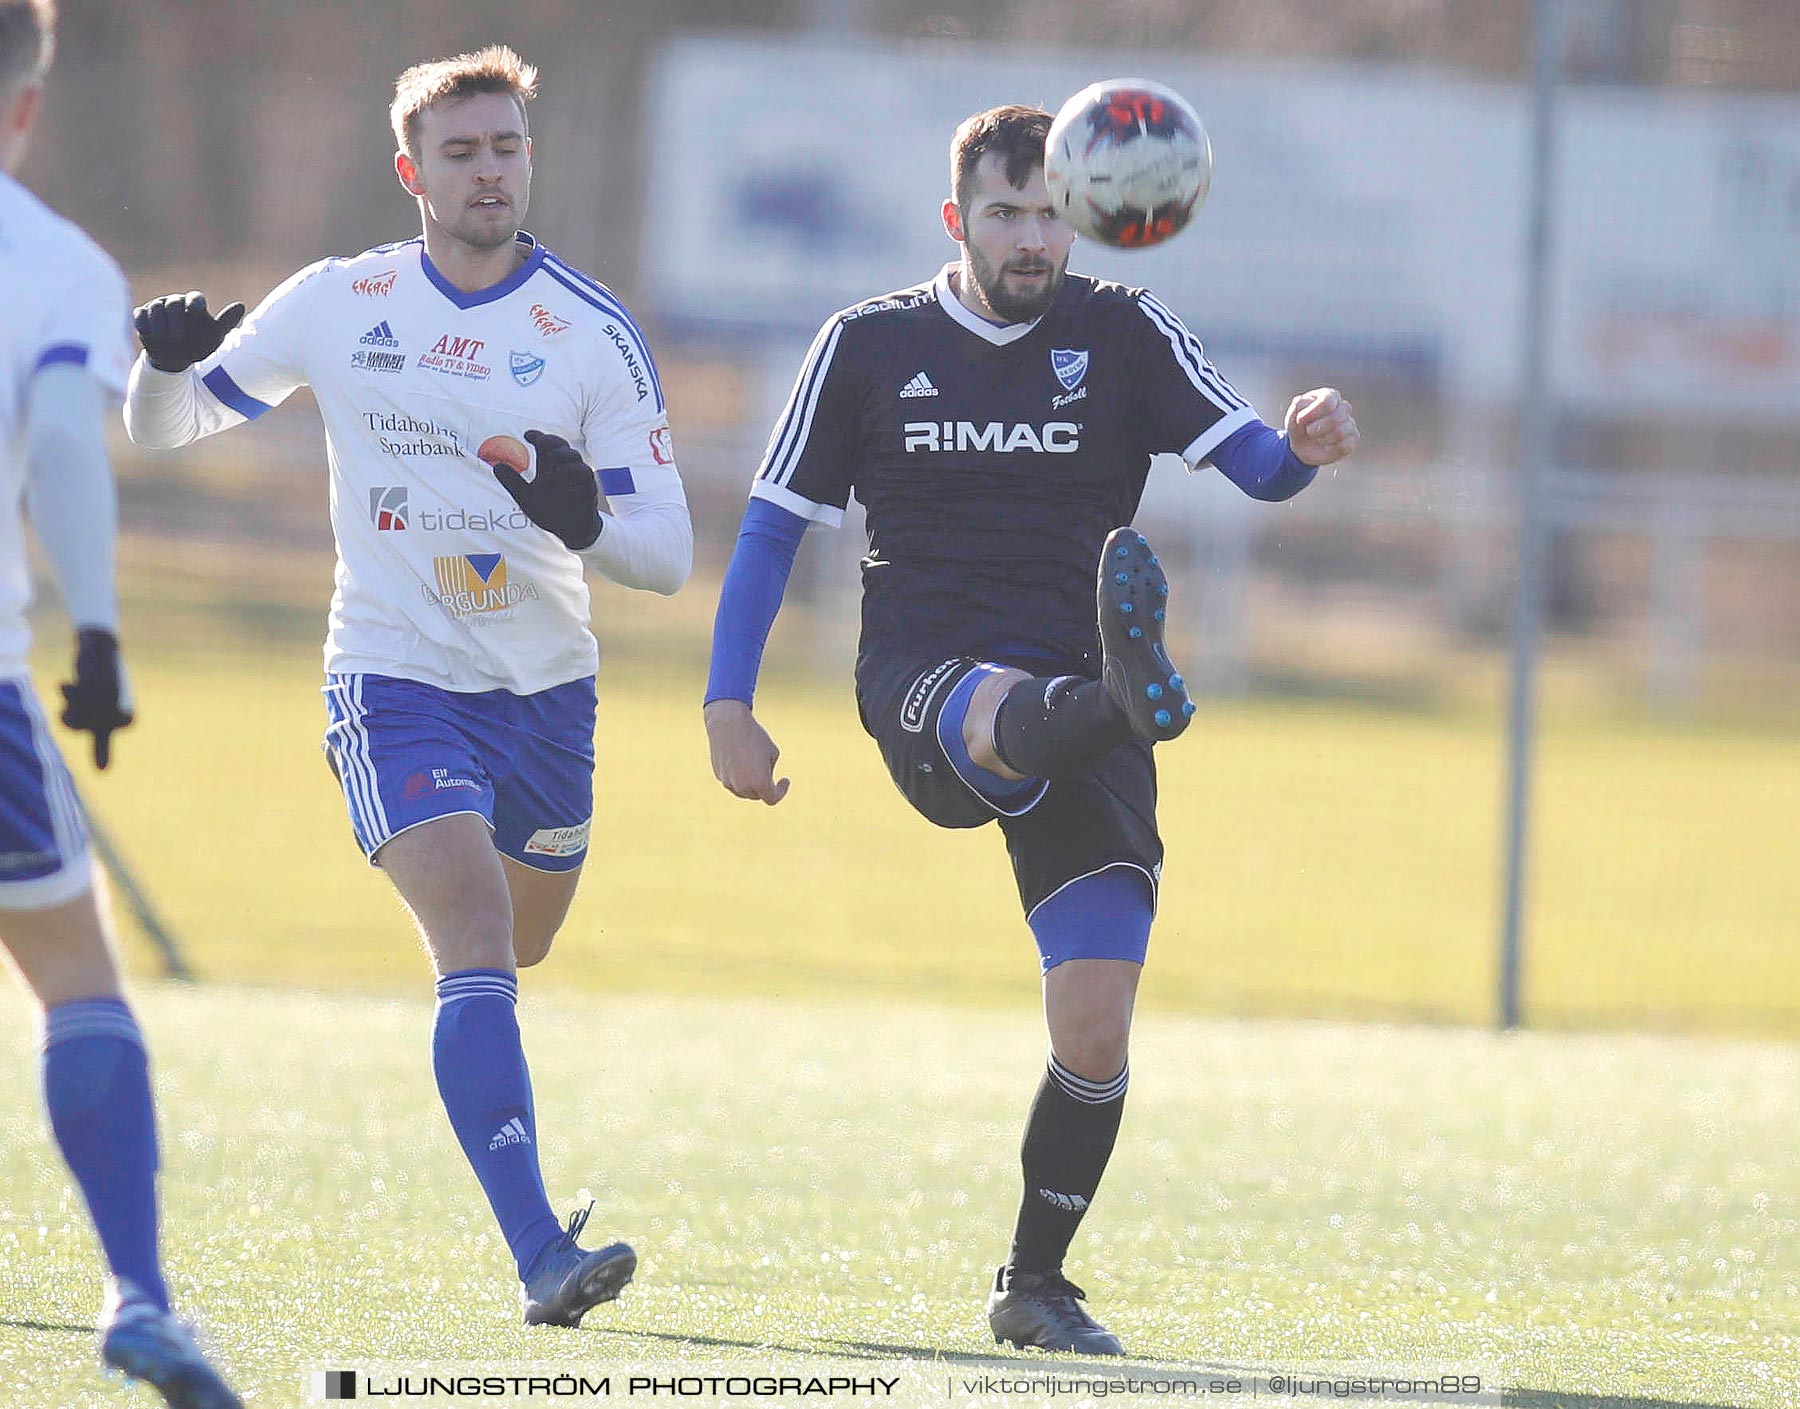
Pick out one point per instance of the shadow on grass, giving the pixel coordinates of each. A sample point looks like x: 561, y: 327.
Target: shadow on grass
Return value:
x: 1562, y: 1399
x: 1032, y: 1361
x: 880, y: 1350
x: 48, y: 1326
x: 1138, y: 1364
x: 723, y: 1343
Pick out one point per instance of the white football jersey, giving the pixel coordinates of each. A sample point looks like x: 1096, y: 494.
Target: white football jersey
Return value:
x: 65, y: 301
x: 440, y: 577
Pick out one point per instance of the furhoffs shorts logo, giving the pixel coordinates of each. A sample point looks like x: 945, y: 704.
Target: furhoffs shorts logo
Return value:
x: 914, y: 709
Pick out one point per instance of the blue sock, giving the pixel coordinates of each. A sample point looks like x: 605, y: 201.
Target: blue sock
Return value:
x: 486, y: 1091
x: 97, y: 1091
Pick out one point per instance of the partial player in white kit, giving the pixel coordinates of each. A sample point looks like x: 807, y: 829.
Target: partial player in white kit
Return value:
x: 459, y: 663
x: 64, y: 351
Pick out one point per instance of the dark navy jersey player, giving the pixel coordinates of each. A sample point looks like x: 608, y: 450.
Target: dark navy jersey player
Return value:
x: 998, y: 424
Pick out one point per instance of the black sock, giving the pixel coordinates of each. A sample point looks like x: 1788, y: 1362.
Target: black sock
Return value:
x: 1057, y: 727
x: 1069, y: 1137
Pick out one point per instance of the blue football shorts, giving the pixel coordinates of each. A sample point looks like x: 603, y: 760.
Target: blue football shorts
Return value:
x: 407, y: 753
x: 44, y: 857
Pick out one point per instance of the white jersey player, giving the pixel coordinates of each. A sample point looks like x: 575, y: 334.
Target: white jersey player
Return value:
x: 459, y: 662
x: 441, y: 577
x: 64, y: 350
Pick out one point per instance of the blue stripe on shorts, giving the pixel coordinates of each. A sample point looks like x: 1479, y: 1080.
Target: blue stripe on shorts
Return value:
x: 42, y: 831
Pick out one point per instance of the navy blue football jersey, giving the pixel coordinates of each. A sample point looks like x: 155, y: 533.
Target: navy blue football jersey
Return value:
x: 992, y: 461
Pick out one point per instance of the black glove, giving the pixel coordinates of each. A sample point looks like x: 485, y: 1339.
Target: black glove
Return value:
x: 98, y: 700
x: 565, y: 496
x: 177, y: 331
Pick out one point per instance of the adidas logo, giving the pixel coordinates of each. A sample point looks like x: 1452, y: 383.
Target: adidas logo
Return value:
x: 512, y: 1133
x: 920, y: 385
x: 380, y: 336
x: 1068, y: 1203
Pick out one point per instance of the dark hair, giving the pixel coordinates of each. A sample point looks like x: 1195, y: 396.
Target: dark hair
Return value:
x: 27, y: 39
x: 1013, y: 133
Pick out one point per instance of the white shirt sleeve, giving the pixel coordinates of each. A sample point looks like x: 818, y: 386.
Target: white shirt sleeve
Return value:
x: 69, y: 488
x: 259, y: 365
x: 88, y: 325
x: 646, y: 537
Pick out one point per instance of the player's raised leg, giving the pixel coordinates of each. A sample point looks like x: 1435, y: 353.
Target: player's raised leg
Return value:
x: 1059, y: 727
x: 452, y: 880
x: 1131, y: 599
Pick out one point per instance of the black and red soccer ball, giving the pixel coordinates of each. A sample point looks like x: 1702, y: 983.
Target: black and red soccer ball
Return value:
x: 1128, y: 162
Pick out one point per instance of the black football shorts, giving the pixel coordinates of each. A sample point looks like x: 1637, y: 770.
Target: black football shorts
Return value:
x: 1054, y: 835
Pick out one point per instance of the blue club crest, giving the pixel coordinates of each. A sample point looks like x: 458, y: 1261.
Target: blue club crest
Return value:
x: 526, y: 367
x: 1069, y: 365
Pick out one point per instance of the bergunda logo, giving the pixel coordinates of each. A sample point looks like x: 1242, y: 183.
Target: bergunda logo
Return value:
x: 526, y: 367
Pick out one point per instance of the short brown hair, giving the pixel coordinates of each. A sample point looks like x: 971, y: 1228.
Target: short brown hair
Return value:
x: 27, y: 41
x: 495, y: 69
x: 1013, y: 133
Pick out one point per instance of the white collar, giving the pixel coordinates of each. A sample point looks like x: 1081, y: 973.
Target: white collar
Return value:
x: 998, y: 334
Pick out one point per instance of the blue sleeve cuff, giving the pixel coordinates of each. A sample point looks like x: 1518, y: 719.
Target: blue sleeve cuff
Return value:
x: 1259, y: 461
x: 73, y: 354
x: 220, y: 384
x: 767, y: 541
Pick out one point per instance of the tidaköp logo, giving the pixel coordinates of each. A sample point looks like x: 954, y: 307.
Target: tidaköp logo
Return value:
x: 387, y: 507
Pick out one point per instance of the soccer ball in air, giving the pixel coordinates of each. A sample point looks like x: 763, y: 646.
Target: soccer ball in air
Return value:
x: 1127, y: 162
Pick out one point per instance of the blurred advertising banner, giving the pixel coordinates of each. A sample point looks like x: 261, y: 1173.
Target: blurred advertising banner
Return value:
x: 1678, y: 262
x: 1358, y: 213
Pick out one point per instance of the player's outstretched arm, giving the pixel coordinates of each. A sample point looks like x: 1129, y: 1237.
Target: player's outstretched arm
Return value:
x: 1271, y: 465
x: 201, y: 373
x: 177, y: 330
x: 165, y: 405
x: 1321, y: 427
x: 74, y: 512
x: 743, y: 754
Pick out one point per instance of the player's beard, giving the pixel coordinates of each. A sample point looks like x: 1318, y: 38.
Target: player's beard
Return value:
x: 486, y: 232
x: 483, y: 235
x: 1014, y: 307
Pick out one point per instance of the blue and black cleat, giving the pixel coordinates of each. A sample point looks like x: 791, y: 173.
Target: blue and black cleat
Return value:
x: 569, y: 1281
x: 138, y: 1338
x: 1132, y: 597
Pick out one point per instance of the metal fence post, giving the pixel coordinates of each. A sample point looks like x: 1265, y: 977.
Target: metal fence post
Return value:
x: 1537, y: 428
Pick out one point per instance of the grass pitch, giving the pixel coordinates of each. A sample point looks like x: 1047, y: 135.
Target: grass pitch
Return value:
x: 1324, y: 859
x: 790, y: 1049
x: 1610, y: 1222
